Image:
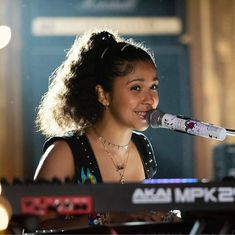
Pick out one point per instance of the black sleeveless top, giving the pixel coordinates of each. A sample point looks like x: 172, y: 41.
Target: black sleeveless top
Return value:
x: 86, y: 167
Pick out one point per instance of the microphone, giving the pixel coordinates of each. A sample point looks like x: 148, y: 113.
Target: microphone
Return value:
x: 159, y: 119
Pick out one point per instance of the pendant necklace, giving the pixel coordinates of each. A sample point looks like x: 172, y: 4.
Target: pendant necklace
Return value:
x: 120, y: 167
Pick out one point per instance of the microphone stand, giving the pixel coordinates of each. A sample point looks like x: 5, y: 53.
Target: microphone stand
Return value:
x: 230, y: 132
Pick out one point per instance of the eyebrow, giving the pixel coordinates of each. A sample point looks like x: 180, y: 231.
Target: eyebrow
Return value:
x: 141, y: 80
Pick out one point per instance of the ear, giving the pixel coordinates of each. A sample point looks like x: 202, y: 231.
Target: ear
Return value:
x: 103, y: 96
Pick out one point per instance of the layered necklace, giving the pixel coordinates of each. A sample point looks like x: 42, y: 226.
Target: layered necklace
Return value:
x: 120, y: 167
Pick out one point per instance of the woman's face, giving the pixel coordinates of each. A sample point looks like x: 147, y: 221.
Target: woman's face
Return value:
x: 134, y: 95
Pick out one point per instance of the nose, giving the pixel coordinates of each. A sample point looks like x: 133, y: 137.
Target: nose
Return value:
x: 151, y: 98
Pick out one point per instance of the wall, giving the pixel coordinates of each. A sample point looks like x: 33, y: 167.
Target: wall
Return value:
x: 211, y: 36
x: 11, y: 155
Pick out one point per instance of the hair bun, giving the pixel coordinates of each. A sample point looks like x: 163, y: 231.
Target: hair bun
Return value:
x: 103, y: 39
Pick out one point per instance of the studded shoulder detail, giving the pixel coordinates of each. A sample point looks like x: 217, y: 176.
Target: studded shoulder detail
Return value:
x: 146, y: 152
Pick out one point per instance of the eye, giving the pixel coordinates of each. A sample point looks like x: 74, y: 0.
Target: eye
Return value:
x: 154, y: 87
x: 136, y: 88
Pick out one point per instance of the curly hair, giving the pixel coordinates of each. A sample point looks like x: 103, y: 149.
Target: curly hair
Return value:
x: 96, y: 57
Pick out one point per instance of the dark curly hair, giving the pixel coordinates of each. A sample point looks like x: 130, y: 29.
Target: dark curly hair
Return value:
x: 97, y: 57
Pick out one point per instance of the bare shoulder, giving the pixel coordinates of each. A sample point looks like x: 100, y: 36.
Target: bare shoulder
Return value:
x: 57, y: 161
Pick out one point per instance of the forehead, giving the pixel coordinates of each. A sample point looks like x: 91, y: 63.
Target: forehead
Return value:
x: 144, y: 71
x: 143, y: 65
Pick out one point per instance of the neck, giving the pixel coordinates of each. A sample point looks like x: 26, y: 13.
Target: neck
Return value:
x: 112, y: 134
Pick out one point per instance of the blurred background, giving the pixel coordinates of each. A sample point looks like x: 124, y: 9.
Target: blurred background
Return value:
x: 194, y: 45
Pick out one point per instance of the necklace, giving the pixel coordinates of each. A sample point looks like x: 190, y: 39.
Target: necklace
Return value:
x: 120, y: 167
x: 106, y: 142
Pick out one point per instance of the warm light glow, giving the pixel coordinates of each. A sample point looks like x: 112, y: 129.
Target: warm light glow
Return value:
x: 5, y: 37
x: 4, y: 218
x: 5, y: 212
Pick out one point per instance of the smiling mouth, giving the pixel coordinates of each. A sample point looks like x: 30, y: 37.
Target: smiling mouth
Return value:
x: 141, y: 114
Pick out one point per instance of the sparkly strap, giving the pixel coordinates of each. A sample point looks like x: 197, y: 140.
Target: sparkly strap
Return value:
x: 146, y: 152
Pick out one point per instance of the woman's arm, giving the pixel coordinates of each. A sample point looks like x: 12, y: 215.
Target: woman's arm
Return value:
x: 56, y: 162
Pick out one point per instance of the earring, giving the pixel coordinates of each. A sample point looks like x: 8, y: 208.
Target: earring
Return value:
x: 106, y: 105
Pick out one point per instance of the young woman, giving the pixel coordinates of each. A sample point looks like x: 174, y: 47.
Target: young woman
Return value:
x: 97, y: 101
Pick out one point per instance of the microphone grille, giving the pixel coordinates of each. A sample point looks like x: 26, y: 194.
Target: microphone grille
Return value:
x: 154, y: 118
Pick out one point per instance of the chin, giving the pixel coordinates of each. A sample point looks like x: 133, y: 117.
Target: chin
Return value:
x: 142, y: 128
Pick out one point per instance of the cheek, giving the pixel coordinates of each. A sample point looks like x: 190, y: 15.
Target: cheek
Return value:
x: 132, y: 101
x: 156, y: 100
x: 124, y: 98
x: 128, y: 103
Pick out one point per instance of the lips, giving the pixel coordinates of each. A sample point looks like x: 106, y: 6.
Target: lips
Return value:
x: 141, y: 114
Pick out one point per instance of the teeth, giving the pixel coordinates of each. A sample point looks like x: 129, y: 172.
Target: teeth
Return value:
x: 141, y: 113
